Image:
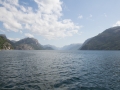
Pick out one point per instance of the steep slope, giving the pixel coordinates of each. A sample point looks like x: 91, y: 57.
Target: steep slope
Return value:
x: 71, y: 47
x: 107, y: 40
x: 28, y: 44
x: 5, y: 43
x: 86, y: 41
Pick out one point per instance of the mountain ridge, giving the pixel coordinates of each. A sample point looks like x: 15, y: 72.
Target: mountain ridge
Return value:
x: 33, y: 44
x: 107, y: 40
x: 5, y: 43
x: 74, y: 46
x: 28, y: 44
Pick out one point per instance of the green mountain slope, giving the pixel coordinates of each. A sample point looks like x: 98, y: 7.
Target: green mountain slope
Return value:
x: 107, y: 40
x: 4, y: 44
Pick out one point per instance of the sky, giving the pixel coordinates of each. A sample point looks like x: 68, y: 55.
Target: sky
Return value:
x: 57, y: 22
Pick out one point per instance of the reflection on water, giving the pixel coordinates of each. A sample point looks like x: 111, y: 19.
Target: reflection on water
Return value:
x: 60, y: 70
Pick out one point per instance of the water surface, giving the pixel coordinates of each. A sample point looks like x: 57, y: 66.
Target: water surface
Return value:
x: 59, y: 70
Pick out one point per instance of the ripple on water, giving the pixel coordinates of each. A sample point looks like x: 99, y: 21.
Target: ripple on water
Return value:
x: 59, y: 70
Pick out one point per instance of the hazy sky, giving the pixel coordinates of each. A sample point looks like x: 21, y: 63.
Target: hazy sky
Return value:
x: 57, y: 22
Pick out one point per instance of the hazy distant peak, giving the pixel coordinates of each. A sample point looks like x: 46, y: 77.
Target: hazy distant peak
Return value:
x: 72, y: 46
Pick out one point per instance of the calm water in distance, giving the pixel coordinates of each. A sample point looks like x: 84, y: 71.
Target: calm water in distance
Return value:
x: 59, y: 70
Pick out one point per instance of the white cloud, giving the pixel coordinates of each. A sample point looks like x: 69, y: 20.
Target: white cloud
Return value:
x: 15, y: 39
x: 80, y: 16
x: 24, y: 3
x: 45, y: 21
x: 29, y: 35
x: 117, y: 24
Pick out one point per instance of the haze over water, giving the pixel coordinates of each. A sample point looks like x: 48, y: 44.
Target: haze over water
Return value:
x: 60, y: 70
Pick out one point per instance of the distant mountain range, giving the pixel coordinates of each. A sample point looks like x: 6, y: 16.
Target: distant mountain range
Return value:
x: 107, y: 40
x: 71, y: 47
x: 23, y: 44
x: 50, y: 47
x: 31, y: 44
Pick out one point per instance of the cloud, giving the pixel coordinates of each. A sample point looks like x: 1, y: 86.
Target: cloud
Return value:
x: 24, y: 3
x: 15, y: 39
x: 117, y: 24
x: 80, y: 16
x: 45, y: 21
x: 29, y: 35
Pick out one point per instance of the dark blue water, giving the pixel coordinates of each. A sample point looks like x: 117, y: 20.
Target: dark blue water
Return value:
x: 59, y: 70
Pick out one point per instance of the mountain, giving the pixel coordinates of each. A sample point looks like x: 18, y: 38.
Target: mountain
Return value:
x: 47, y: 47
x: 13, y: 41
x: 66, y: 47
x: 5, y: 43
x: 50, y: 47
x: 86, y: 41
x: 23, y: 44
x: 107, y: 40
x: 28, y: 44
x: 3, y: 35
x: 31, y: 44
x: 71, y: 47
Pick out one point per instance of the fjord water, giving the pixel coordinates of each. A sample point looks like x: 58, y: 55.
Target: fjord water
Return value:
x: 60, y: 70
